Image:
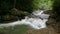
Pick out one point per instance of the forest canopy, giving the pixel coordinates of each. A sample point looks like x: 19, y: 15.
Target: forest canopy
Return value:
x: 20, y: 8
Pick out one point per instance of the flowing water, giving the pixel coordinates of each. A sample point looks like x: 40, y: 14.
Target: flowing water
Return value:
x: 37, y: 20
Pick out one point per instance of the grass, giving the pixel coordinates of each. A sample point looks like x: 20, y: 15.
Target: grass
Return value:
x: 19, y: 29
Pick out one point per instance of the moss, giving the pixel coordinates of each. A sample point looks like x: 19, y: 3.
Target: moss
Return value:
x: 19, y: 29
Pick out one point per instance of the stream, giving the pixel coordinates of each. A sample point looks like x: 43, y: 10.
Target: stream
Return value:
x: 37, y: 20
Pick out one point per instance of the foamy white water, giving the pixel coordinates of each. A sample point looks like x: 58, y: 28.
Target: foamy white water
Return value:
x: 38, y: 22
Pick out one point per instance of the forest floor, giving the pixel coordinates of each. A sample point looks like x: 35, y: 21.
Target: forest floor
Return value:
x: 49, y: 30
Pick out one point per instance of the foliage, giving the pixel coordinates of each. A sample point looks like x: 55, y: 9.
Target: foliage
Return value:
x: 56, y: 9
x: 25, y: 5
x: 42, y: 4
x: 21, y: 8
x: 5, y: 6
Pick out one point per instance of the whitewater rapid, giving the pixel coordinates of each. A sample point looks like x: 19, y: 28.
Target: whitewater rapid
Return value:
x: 37, y: 20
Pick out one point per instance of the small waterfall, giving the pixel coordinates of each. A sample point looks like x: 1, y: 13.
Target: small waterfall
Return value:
x: 37, y: 20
